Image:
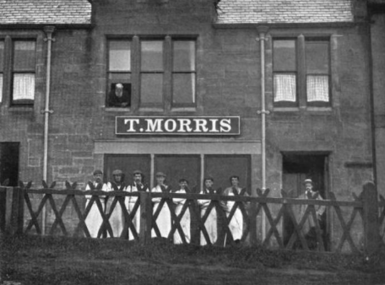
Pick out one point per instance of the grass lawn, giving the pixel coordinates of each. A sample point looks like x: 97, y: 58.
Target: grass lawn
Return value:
x: 54, y: 260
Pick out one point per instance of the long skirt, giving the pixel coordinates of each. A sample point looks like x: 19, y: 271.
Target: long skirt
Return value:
x: 184, y: 223
x: 94, y: 219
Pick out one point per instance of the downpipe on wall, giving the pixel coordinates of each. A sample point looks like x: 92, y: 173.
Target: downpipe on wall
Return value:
x: 262, y: 30
x: 49, y: 39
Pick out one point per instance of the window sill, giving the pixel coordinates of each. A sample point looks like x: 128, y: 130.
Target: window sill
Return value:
x: 151, y: 109
x: 20, y: 108
x: 286, y: 109
x: 116, y: 109
x: 319, y: 109
x: 184, y: 109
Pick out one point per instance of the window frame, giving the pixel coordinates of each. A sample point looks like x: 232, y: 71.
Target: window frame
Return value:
x: 166, y: 103
x: 22, y: 102
x: 301, y: 80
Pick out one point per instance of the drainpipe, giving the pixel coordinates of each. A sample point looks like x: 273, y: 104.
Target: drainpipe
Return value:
x: 262, y: 30
x: 49, y: 31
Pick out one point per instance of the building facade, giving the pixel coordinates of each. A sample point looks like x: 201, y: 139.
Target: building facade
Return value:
x: 272, y: 92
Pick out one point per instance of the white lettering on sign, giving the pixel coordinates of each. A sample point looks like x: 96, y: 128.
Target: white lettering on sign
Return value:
x: 225, y: 125
x: 154, y: 125
x: 178, y: 125
x: 131, y: 122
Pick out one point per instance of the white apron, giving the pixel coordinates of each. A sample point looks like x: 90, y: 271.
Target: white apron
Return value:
x: 185, y: 220
x: 94, y: 219
x: 164, y: 218
x: 211, y: 221
x: 116, y: 219
x: 130, y: 202
x: 236, y: 222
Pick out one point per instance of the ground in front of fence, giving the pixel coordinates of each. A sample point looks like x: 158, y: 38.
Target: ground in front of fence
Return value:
x: 53, y: 260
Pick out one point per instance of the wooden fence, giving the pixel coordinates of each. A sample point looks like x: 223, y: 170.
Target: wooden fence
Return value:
x: 140, y: 222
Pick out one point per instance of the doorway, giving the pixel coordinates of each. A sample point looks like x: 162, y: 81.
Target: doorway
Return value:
x: 9, y: 163
x: 297, y: 167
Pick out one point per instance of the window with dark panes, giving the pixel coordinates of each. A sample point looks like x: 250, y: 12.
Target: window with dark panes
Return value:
x: 183, y: 73
x: 177, y: 167
x: 285, y: 72
x: 317, y: 72
x: 119, y: 73
x: 23, y: 72
x: 151, y: 73
x: 1, y: 69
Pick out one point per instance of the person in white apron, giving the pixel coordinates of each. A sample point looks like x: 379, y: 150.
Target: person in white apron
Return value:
x: 211, y: 221
x: 130, y: 201
x: 163, y: 220
x: 116, y: 219
x: 185, y: 220
x: 94, y: 219
x: 236, y: 222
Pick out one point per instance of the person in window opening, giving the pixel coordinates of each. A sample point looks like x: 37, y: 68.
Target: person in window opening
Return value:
x: 185, y: 220
x: 211, y: 221
x: 236, y: 223
x: 94, y: 218
x: 119, y: 97
x: 309, y: 227
x: 130, y: 201
x: 117, y: 218
x: 163, y: 220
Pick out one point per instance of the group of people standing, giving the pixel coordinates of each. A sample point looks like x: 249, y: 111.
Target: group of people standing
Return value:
x: 164, y: 221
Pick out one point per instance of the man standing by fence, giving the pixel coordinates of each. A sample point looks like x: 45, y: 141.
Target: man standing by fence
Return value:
x: 309, y: 227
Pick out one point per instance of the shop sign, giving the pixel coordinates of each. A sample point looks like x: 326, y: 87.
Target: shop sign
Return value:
x: 229, y: 125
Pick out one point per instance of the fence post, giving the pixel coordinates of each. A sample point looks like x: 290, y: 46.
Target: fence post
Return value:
x: 370, y: 214
x: 14, y: 210
x: 145, y: 217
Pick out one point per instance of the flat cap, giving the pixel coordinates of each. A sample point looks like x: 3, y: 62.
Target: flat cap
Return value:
x: 137, y: 172
x: 117, y: 172
x: 98, y: 171
x: 160, y: 174
x: 308, y: 181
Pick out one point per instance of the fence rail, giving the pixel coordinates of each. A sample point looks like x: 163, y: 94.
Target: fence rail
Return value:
x: 141, y: 219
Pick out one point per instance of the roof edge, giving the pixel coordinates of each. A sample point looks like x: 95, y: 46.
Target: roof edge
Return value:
x: 288, y: 25
x: 40, y: 26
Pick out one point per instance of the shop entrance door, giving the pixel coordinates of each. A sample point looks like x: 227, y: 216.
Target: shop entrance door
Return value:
x: 296, y: 168
x: 9, y: 163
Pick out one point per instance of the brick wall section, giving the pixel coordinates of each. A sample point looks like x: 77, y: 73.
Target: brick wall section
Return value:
x: 45, y: 12
x: 283, y: 11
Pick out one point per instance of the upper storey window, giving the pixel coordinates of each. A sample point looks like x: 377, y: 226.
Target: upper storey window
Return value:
x: 23, y: 72
x: 152, y: 72
x: 119, y: 74
x: 301, y: 71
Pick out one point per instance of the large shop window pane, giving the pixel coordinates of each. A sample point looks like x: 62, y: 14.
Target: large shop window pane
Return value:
x: 152, y: 56
x: 128, y: 164
x: 151, y: 88
x: 183, y: 88
x: 284, y: 58
x: 120, y: 55
x: 184, y: 56
x: 23, y: 87
x: 317, y: 57
x: 24, y: 56
x: 317, y: 88
x: 177, y: 167
x: 222, y: 167
x: 285, y: 87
